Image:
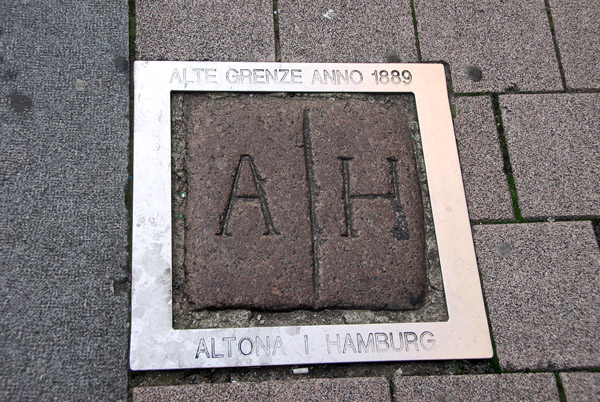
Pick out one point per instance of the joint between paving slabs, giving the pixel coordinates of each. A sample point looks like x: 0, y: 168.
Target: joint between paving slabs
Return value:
x: 276, y: 30
x: 416, y: 30
x: 507, y: 167
x: 561, y: 389
x: 596, y: 223
x: 556, y: 48
x: 494, y: 361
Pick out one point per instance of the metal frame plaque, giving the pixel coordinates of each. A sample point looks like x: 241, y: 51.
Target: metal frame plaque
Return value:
x: 155, y: 344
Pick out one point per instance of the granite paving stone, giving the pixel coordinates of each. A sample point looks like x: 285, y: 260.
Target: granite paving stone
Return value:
x: 248, y: 237
x: 374, y: 389
x: 212, y: 30
x: 490, y: 46
x: 491, y: 387
x: 541, y: 286
x: 64, y: 131
x: 554, y: 149
x: 368, y: 207
x: 486, y: 185
x: 581, y: 387
x: 577, y: 27
x: 346, y: 31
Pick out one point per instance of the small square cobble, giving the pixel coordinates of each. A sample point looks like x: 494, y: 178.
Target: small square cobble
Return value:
x: 554, y: 149
x: 295, y: 203
x: 204, y: 30
x: 350, y: 32
x: 490, y: 46
x: 541, y: 285
x: 492, y: 387
x: 374, y: 389
x: 577, y: 27
x: 486, y: 186
x: 581, y: 387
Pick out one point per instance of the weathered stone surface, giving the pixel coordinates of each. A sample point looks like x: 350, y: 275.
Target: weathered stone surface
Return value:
x: 343, y: 170
x: 577, y: 27
x: 204, y: 30
x: 355, y: 389
x: 490, y: 45
x: 247, y: 244
x: 486, y: 186
x: 342, y: 31
x: 541, y: 285
x: 492, y: 387
x: 581, y: 387
x: 554, y: 149
x: 370, y: 248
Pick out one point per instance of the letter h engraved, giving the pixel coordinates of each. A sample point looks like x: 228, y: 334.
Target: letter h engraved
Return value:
x: 400, y: 228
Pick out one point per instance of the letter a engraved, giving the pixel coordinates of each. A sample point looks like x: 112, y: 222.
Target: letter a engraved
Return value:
x: 259, y: 196
x: 400, y: 229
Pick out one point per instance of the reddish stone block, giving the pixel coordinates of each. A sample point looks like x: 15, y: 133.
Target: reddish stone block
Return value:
x: 297, y: 203
x: 368, y: 207
x: 247, y: 214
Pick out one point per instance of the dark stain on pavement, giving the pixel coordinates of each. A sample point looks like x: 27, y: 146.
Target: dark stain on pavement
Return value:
x: 19, y: 102
x: 475, y: 74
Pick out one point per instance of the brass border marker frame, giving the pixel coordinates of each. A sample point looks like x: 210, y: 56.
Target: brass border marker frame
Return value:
x: 156, y: 345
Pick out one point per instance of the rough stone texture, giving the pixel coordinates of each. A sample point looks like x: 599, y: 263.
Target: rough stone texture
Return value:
x: 349, y: 389
x: 490, y: 45
x: 554, y: 149
x: 492, y: 387
x: 260, y: 259
x: 63, y: 226
x: 541, y: 285
x: 577, y: 27
x: 382, y: 264
x: 581, y: 387
x: 486, y: 186
x: 211, y: 30
x: 346, y: 31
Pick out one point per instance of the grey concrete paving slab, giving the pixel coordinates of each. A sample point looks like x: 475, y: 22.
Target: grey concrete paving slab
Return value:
x: 490, y: 46
x: 64, y: 108
x: 210, y: 30
x: 577, y: 27
x: 347, y: 389
x: 486, y: 185
x: 491, y: 387
x: 554, y: 148
x: 346, y: 31
x: 541, y: 284
x: 581, y: 387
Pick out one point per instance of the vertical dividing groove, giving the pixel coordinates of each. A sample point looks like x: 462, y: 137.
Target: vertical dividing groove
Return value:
x: 556, y: 49
x: 416, y: 28
x: 507, y: 165
x: 314, y: 232
x: 276, y: 30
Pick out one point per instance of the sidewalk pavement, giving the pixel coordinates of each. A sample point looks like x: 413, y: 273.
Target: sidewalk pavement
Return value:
x: 525, y: 89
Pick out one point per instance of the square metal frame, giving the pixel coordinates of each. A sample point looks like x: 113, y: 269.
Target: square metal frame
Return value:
x: 155, y: 344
